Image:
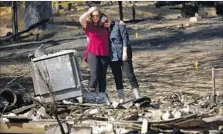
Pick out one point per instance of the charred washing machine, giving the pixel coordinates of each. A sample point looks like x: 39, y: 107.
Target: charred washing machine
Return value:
x: 57, y: 76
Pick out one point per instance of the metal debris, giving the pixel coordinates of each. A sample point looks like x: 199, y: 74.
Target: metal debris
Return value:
x: 177, y: 112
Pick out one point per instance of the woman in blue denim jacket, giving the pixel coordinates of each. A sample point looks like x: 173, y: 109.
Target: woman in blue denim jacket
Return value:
x: 121, y: 56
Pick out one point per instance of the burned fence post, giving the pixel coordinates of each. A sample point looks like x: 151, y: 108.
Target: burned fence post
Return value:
x: 213, y: 84
x: 133, y: 11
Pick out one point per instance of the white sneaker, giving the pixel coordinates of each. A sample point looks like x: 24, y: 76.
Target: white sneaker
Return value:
x: 120, y: 95
x: 136, y: 93
x: 121, y: 101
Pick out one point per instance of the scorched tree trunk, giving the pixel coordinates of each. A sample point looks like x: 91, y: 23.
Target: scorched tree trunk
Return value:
x: 36, y: 11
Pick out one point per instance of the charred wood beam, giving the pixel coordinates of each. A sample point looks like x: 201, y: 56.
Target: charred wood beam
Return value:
x: 37, y: 43
x: 42, y: 22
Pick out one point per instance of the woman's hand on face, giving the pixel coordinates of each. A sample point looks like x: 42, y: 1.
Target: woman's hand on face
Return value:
x: 92, y: 9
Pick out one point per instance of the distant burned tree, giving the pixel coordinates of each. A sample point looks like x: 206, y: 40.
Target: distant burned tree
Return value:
x: 59, y: 5
x: 36, y: 11
x: 121, y: 10
x: 93, y: 3
x: 69, y: 6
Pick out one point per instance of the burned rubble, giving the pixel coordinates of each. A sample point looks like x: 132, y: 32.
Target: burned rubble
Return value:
x: 13, y: 95
x: 63, y: 101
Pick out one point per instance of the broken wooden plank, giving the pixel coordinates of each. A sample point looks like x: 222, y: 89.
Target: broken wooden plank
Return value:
x: 37, y: 43
x: 24, y: 108
x: 55, y: 129
x: 72, y: 130
x: 12, y: 81
x: 22, y: 128
x: 218, y: 118
x: 190, y: 123
x: 145, y: 126
x: 171, y: 123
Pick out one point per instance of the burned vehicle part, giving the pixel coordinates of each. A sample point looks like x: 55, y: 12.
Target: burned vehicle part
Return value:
x: 8, y: 98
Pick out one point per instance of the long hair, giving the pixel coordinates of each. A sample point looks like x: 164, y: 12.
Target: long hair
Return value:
x: 90, y: 18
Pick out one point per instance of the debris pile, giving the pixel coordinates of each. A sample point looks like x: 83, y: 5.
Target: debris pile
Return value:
x: 13, y: 95
x: 175, y: 113
x: 127, y: 117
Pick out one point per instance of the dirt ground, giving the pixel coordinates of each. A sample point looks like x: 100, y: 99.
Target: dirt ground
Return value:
x: 165, y: 53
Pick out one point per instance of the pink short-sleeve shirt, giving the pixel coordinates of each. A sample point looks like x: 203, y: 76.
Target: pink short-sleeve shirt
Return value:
x: 98, y: 40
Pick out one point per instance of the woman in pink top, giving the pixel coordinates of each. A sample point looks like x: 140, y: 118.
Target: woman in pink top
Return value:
x: 97, y: 51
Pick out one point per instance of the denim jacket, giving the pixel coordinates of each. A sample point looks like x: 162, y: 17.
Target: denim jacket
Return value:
x: 119, y: 38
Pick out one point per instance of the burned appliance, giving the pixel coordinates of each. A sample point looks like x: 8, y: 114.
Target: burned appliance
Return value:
x: 57, y: 76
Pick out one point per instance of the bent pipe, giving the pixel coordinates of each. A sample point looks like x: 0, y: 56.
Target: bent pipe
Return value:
x: 9, y: 95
